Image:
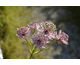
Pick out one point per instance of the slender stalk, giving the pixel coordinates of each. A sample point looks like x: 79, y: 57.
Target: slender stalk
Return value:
x: 55, y: 41
x: 32, y: 52
x: 28, y: 44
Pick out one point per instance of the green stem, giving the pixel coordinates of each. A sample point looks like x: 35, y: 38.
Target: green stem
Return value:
x: 28, y: 44
x: 55, y: 41
x: 32, y: 52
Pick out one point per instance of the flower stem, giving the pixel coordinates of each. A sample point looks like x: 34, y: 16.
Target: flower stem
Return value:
x: 28, y: 44
x: 32, y: 52
x: 55, y: 41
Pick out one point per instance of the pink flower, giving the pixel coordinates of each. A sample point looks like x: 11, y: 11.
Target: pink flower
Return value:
x: 23, y: 32
x: 48, y: 29
x: 34, y: 24
x: 49, y: 34
x: 46, y: 26
x: 60, y: 42
x: 50, y: 25
x: 40, y: 40
x: 53, y: 35
x: 63, y: 37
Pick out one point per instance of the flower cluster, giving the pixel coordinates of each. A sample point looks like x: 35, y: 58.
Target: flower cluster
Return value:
x: 45, y: 31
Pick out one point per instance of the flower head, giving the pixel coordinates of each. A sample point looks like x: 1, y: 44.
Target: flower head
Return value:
x: 34, y: 24
x: 50, y: 25
x: 23, y: 32
x: 40, y: 40
x: 53, y: 35
x: 48, y: 29
x: 63, y: 37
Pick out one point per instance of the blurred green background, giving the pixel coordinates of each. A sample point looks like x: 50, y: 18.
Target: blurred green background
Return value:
x: 65, y: 18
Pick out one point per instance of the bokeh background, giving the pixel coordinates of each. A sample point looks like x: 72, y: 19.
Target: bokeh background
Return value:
x: 66, y: 18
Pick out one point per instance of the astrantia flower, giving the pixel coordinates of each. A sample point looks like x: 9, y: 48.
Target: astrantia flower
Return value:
x: 63, y: 37
x: 23, y: 32
x: 50, y: 25
x: 34, y: 24
x: 50, y: 34
x: 53, y: 35
x: 48, y: 29
x: 40, y: 40
x: 46, y: 25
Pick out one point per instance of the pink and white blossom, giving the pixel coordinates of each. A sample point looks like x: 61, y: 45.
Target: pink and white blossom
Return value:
x: 46, y: 25
x: 40, y: 40
x: 47, y: 29
x: 63, y: 37
x: 35, y: 25
x: 53, y: 35
x: 23, y: 32
x: 50, y: 25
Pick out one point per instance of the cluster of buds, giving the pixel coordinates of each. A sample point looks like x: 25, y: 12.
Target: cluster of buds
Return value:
x: 46, y: 31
